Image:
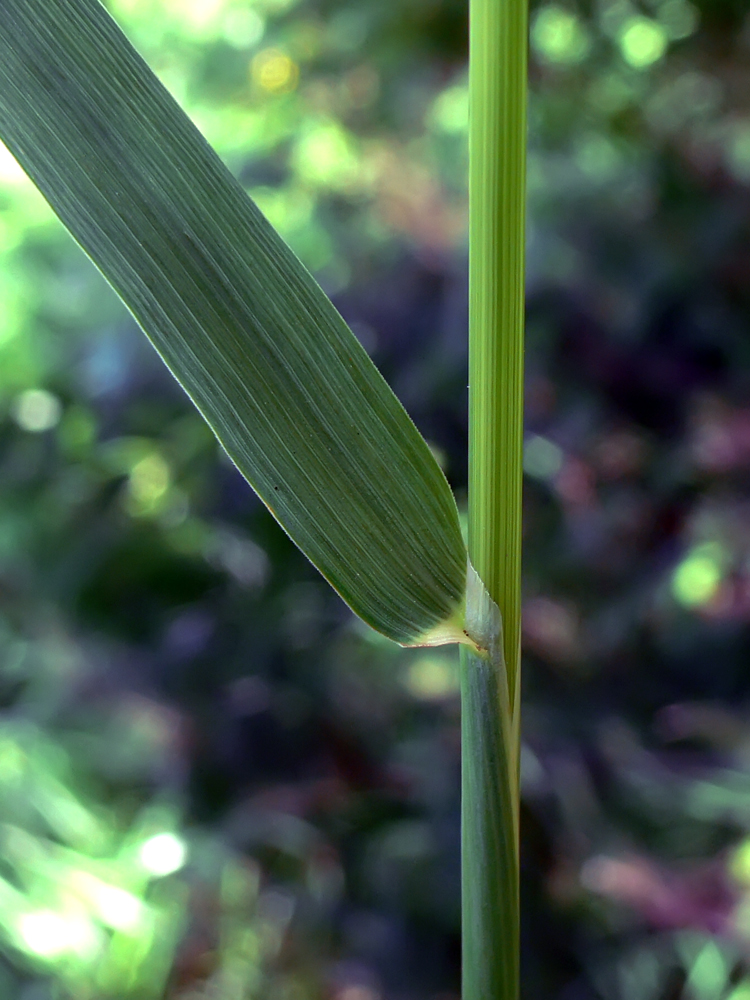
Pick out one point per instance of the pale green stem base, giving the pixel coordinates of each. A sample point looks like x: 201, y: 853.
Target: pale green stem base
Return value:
x: 489, y: 837
x: 489, y: 807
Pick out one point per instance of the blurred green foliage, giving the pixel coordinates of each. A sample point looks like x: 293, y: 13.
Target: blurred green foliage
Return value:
x: 171, y: 668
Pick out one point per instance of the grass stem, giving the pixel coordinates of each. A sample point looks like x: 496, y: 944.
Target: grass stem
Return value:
x: 490, y: 688
x: 497, y: 197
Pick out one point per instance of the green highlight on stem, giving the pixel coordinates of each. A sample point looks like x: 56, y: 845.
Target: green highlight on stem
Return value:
x: 497, y: 199
x: 490, y: 685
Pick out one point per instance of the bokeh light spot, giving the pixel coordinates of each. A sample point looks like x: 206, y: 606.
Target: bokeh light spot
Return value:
x: 163, y: 854
x: 286, y: 210
x: 120, y: 909
x: 558, y: 36
x: 37, y: 410
x: 196, y: 18
x: 274, y: 71
x: 243, y: 27
x: 149, y: 481
x: 49, y: 934
x: 431, y: 678
x: 597, y: 157
x: 542, y: 459
x: 115, y: 907
x: 324, y: 157
x: 679, y: 18
x: 740, y: 863
x: 450, y: 112
x: 708, y: 974
x: 642, y: 42
x: 697, y: 578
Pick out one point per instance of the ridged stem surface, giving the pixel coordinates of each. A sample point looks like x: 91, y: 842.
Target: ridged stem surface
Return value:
x: 489, y: 833
x: 490, y: 688
x: 497, y: 198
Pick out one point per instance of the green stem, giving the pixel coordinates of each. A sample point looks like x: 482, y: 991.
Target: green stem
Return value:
x: 490, y: 687
x: 497, y: 198
x: 489, y: 841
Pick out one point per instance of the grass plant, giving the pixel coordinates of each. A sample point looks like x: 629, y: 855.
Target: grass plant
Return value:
x: 490, y: 688
x: 291, y: 394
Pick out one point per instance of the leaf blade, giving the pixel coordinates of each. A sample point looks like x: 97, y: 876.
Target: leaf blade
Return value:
x: 261, y: 351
